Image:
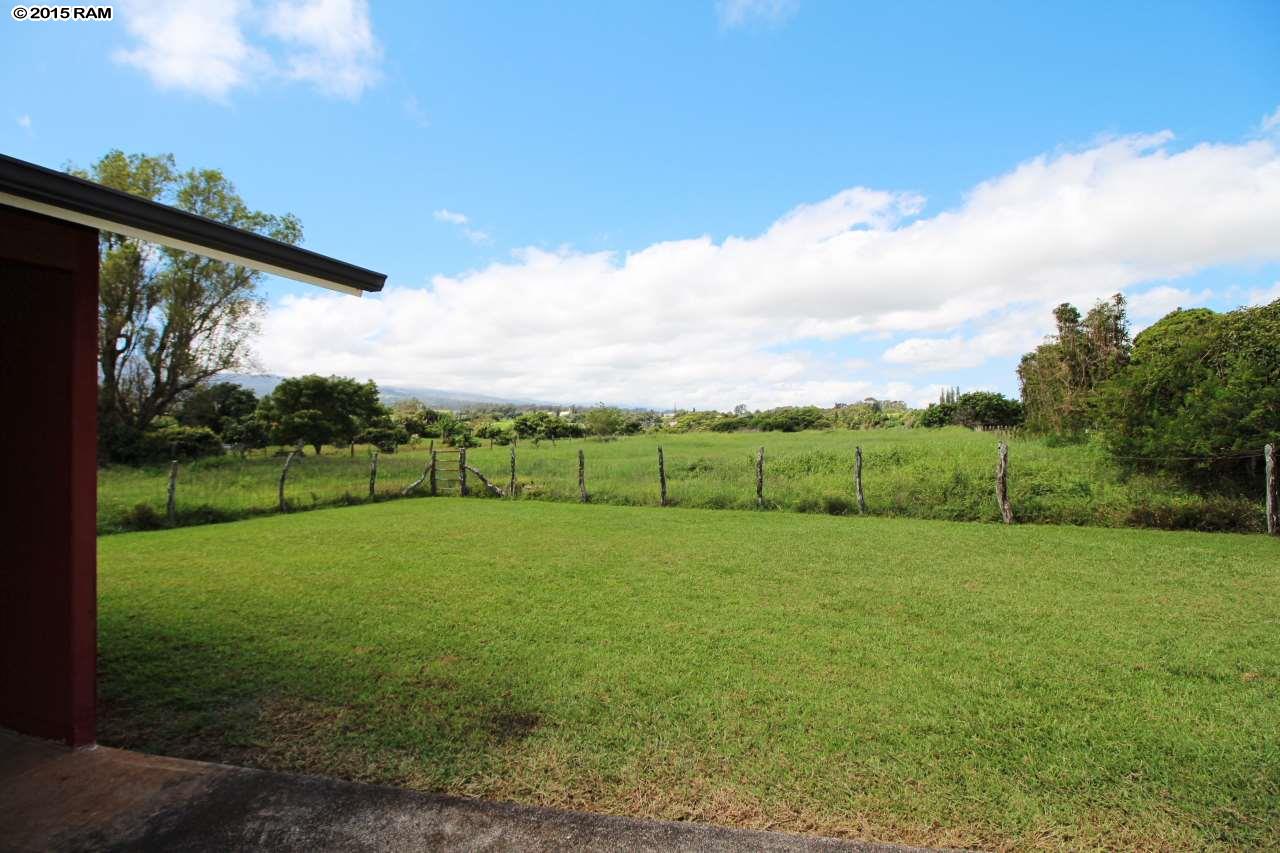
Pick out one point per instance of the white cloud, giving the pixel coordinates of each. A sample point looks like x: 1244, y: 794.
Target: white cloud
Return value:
x: 739, y: 13
x: 716, y: 323
x: 214, y: 48
x: 332, y: 43
x: 475, y: 235
x: 24, y: 121
x: 451, y: 216
x: 1009, y: 335
x: 1154, y: 303
x: 1264, y: 295
x: 1271, y: 123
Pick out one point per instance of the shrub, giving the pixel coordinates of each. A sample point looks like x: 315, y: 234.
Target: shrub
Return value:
x: 179, y: 442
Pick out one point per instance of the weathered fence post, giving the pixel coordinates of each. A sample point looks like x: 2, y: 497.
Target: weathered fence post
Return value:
x: 373, y: 475
x: 857, y: 479
x: 760, y: 479
x: 583, y: 497
x: 1002, y: 482
x: 284, y: 472
x: 462, y: 471
x: 433, y: 473
x: 171, y: 505
x: 511, y: 490
x: 1273, y: 492
x: 662, y: 477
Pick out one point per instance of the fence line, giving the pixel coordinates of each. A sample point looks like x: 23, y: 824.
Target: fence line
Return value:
x: 1002, y: 473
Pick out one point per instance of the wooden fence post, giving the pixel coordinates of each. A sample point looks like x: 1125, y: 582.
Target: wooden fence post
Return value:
x: 857, y: 479
x: 373, y: 475
x: 1273, y: 492
x: 760, y: 479
x: 462, y: 471
x: 171, y: 505
x: 583, y: 497
x: 662, y: 477
x: 284, y: 472
x: 511, y: 490
x: 1002, y: 482
x: 433, y: 473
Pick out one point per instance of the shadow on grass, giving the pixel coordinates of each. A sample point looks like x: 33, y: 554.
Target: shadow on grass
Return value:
x: 200, y: 689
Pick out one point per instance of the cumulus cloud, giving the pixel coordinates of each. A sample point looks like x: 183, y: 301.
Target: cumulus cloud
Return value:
x: 717, y: 323
x: 739, y: 13
x: 212, y: 49
x: 24, y: 121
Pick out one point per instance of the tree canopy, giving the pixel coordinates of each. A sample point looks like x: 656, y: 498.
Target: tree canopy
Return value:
x: 319, y: 410
x: 1200, y: 386
x: 170, y: 320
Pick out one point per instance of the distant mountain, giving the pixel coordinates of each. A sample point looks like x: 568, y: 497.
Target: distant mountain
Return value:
x: 263, y: 384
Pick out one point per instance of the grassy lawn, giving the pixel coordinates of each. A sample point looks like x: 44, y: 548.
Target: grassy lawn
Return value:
x: 941, y: 474
x: 901, y: 680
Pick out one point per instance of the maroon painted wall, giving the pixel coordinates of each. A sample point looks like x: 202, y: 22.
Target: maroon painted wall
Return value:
x: 48, y: 565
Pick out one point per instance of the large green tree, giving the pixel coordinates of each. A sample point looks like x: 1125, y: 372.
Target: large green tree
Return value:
x: 169, y: 320
x: 320, y: 410
x: 217, y: 406
x: 1202, y: 390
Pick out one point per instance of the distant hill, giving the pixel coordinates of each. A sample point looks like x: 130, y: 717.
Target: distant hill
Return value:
x: 263, y: 384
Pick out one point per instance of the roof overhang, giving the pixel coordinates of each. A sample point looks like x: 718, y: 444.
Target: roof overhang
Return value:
x: 30, y: 187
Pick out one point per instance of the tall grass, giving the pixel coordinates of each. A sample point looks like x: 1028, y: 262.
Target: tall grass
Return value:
x: 942, y: 474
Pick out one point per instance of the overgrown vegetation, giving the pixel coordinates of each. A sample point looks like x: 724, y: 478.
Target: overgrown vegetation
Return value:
x: 1197, y: 394
x: 941, y: 474
x: 960, y: 685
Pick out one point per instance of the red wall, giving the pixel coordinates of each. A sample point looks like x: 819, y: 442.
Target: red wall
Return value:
x: 48, y: 435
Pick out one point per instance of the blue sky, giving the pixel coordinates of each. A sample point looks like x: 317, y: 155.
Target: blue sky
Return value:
x: 587, y: 201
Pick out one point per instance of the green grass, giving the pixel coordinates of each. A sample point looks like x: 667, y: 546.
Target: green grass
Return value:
x: 930, y: 682
x: 941, y: 474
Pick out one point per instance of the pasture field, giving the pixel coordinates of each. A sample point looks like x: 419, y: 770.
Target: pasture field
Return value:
x: 938, y: 474
x: 901, y: 680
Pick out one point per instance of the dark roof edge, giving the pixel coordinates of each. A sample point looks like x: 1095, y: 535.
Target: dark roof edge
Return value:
x: 57, y: 194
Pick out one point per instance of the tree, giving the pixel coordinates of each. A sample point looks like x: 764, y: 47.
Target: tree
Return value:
x: 247, y: 433
x: 320, y: 410
x: 605, y: 421
x: 414, y: 416
x: 169, y: 320
x: 1060, y: 377
x: 938, y: 415
x: 987, y: 410
x: 1201, y: 389
x: 217, y: 406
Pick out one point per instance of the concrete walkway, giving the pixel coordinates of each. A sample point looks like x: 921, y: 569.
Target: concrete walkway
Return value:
x: 53, y: 798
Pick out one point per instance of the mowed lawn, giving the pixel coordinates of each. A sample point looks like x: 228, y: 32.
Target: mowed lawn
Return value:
x: 891, y: 679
